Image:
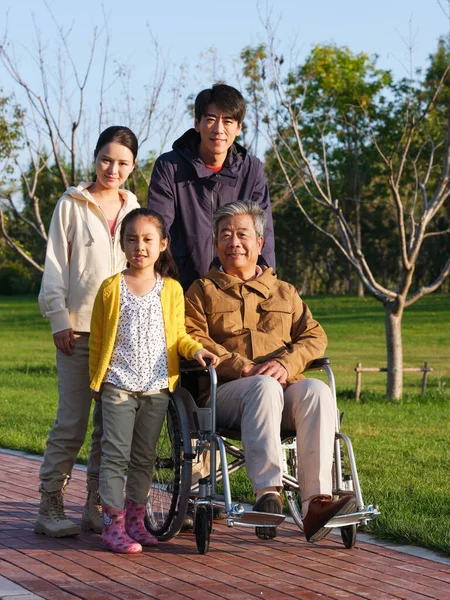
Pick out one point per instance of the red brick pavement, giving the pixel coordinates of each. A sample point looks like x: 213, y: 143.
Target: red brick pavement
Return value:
x: 237, y: 567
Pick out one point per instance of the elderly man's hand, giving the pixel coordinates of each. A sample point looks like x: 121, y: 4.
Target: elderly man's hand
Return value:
x: 272, y: 368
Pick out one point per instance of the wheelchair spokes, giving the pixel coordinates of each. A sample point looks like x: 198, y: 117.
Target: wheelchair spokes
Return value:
x: 171, y: 480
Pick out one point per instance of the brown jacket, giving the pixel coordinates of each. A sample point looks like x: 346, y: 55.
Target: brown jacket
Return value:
x: 251, y: 322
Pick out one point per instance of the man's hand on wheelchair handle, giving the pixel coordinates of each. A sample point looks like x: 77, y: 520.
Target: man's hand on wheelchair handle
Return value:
x: 200, y: 355
x: 272, y: 368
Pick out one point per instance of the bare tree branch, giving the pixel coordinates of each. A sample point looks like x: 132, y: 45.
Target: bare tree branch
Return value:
x: 436, y: 233
x: 429, y: 288
x: 12, y: 244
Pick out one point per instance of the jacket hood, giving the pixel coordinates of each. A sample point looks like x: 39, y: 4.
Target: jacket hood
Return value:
x: 186, y: 146
x: 81, y: 192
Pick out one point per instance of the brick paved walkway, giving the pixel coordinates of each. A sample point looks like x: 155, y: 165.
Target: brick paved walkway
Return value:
x: 237, y: 567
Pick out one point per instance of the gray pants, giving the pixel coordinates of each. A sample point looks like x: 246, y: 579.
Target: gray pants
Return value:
x: 72, y: 418
x: 260, y: 409
x: 132, y: 422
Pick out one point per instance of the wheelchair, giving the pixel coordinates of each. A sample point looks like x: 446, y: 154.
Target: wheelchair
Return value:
x: 190, y: 430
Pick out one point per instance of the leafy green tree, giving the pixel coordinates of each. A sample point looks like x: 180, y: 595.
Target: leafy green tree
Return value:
x: 57, y: 130
x: 140, y: 178
x: 10, y: 134
x: 344, y: 135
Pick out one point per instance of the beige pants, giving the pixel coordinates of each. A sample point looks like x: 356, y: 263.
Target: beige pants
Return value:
x: 260, y: 409
x: 72, y: 417
x: 132, y: 422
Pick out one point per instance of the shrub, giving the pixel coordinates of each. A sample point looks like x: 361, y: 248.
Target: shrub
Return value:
x: 16, y: 279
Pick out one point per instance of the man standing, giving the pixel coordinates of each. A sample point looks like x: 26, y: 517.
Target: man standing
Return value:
x: 205, y: 170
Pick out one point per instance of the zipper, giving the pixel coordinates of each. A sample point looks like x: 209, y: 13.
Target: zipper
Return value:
x: 213, y: 210
x: 111, y: 240
x: 212, y: 230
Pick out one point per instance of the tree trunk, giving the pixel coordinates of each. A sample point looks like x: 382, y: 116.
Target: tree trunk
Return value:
x: 393, y: 323
x: 360, y: 291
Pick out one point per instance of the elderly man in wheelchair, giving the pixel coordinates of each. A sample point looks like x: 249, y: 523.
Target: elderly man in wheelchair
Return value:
x: 266, y: 337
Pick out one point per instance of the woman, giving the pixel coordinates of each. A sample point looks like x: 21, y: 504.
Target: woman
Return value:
x: 83, y: 249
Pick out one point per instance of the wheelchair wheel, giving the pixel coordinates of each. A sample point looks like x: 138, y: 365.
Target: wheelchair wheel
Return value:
x: 172, y: 473
x: 292, y: 493
x: 202, y: 529
x: 295, y: 508
x: 348, y: 535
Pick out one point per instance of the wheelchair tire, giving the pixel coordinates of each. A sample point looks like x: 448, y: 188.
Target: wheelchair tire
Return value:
x: 295, y: 509
x: 292, y: 494
x: 202, y: 529
x: 172, y: 473
x: 348, y: 535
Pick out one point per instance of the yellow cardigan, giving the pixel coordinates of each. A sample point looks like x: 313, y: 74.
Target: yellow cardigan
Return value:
x: 105, y: 319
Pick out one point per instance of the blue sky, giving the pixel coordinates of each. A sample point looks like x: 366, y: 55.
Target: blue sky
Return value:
x: 185, y: 30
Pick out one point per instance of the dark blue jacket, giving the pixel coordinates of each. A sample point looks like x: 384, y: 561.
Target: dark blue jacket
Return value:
x: 186, y: 193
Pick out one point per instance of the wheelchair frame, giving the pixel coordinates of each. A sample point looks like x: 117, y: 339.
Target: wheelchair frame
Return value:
x: 171, y: 486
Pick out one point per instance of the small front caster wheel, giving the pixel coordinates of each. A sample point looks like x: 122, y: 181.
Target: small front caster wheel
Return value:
x: 348, y: 535
x: 202, y: 529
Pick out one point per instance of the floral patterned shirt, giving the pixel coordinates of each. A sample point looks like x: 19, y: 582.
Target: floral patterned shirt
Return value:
x: 139, y: 359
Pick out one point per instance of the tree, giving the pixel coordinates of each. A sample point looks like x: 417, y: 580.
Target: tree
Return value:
x: 397, y: 139
x: 56, y: 124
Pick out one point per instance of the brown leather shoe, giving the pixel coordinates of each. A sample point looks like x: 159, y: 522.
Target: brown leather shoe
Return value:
x: 268, y: 503
x: 321, y: 509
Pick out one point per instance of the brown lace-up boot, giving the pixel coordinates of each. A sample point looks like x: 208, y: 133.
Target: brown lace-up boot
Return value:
x: 52, y: 520
x: 92, y: 519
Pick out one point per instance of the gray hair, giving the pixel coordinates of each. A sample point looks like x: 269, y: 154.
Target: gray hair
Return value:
x: 241, y: 207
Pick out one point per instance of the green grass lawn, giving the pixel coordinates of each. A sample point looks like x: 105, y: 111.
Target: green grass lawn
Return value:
x: 28, y: 391
x: 402, y: 448
x: 403, y: 458
x: 355, y: 329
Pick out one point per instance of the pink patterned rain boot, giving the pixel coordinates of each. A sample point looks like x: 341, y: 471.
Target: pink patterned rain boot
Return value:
x: 113, y: 536
x: 134, y: 524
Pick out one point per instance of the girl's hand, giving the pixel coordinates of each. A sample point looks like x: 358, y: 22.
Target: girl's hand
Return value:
x: 200, y: 355
x: 97, y: 396
x: 65, y: 341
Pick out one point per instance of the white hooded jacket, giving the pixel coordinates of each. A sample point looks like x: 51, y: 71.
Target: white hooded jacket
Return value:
x: 81, y: 253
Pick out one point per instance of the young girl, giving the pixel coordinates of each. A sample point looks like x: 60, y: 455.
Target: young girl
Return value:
x: 137, y: 334
x: 83, y: 248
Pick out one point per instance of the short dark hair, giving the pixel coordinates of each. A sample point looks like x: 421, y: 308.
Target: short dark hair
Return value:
x: 121, y: 135
x: 225, y: 97
x: 165, y: 265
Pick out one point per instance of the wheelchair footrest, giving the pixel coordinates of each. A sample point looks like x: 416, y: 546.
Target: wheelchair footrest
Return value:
x: 255, y: 519
x: 357, y: 518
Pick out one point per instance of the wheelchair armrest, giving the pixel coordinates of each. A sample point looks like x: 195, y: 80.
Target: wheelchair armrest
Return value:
x: 317, y: 364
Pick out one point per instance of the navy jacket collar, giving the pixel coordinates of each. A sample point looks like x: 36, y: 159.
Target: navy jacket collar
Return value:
x: 186, y: 146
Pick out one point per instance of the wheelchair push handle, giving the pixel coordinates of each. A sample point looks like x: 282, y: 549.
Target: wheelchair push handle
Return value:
x: 193, y: 365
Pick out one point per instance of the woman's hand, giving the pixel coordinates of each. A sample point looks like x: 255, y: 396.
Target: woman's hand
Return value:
x: 65, y: 341
x: 200, y: 355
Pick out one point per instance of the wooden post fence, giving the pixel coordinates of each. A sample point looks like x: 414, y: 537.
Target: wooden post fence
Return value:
x: 359, y: 369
